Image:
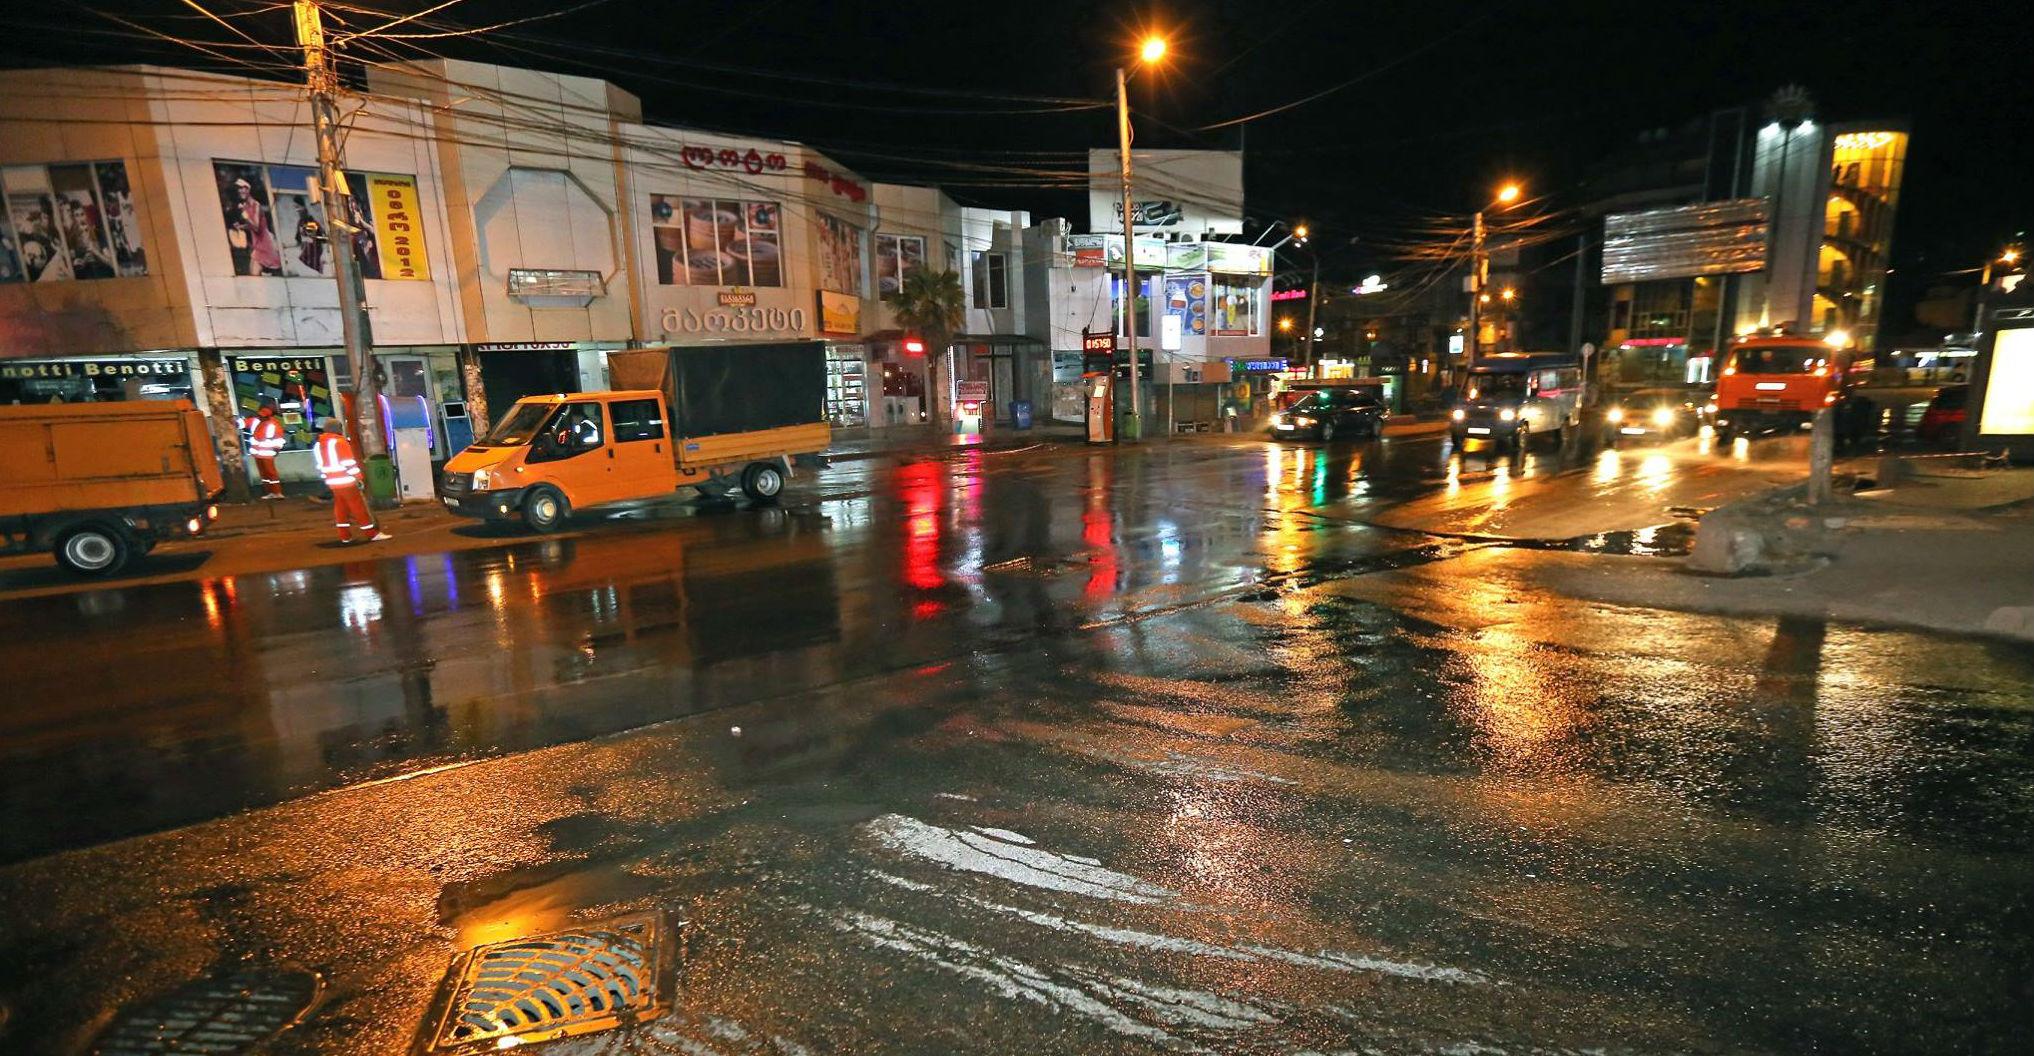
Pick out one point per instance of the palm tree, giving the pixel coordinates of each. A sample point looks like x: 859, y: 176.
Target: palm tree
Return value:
x: 930, y: 304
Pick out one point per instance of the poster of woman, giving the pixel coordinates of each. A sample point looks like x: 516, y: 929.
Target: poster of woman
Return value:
x: 81, y: 221
x: 121, y: 225
x: 43, y: 257
x: 250, y: 225
x: 299, y: 222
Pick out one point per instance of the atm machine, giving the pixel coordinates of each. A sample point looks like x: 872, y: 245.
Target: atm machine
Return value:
x: 407, y: 428
x: 1101, y: 392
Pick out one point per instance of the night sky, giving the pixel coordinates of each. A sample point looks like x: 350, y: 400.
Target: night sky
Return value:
x: 1443, y: 98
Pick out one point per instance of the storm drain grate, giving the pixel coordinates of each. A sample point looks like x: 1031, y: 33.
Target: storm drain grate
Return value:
x: 218, y: 1015
x: 558, y: 985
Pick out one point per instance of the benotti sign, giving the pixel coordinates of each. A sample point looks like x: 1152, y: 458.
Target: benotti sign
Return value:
x: 95, y: 368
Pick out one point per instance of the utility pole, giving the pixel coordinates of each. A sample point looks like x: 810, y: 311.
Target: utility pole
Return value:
x: 1479, y: 275
x: 1134, y: 426
x: 322, y: 80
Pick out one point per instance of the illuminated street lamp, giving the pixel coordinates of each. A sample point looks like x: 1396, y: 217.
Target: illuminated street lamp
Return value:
x: 1285, y: 324
x: 1479, y: 271
x: 1510, y: 294
x: 1150, y: 52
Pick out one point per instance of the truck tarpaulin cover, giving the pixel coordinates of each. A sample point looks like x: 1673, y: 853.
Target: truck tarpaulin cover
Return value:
x: 716, y: 389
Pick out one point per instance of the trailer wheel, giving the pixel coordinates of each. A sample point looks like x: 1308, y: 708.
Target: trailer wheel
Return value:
x: 545, y: 509
x: 763, y: 482
x: 93, y: 549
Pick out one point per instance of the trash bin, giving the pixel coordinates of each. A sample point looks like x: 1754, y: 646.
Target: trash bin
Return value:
x: 1020, y: 414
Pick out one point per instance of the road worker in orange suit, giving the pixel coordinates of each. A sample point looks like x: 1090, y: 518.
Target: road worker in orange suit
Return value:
x: 340, y: 468
x: 265, y: 440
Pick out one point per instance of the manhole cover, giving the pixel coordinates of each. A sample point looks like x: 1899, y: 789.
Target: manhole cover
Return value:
x: 218, y: 1015
x: 565, y: 983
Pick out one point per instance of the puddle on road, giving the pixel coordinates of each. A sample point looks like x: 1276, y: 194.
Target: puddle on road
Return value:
x: 531, y: 900
x: 1674, y: 539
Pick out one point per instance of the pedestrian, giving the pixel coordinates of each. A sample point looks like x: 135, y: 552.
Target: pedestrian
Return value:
x: 265, y: 440
x: 340, y: 469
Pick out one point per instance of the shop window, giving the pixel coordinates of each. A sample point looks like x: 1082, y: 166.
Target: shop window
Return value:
x: 840, y: 254
x: 991, y: 281
x: 717, y: 241
x: 896, y: 257
x: 1236, y: 311
x: 636, y: 420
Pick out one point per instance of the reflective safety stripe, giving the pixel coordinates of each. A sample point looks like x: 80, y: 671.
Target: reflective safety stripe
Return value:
x: 336, y: 462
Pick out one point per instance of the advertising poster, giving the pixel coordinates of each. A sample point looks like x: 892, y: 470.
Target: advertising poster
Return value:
x: 399, y: 224
x: 275, y: 225
x: 1237, y: 259
x: 716, y: 242
x: 839, y: 313
x: 840, y: 255
x: 1186, y: 299
x: 72, y: 221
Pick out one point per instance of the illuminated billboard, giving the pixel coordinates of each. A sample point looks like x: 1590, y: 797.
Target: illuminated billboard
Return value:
x: 1709, y: 238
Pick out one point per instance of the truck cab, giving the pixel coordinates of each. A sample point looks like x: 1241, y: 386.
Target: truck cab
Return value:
x: 550, y: 455
x: 1511, y: 397
x: 1775, y: 382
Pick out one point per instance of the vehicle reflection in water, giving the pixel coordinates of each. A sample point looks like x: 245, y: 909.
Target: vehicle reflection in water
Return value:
x: 296, y: 681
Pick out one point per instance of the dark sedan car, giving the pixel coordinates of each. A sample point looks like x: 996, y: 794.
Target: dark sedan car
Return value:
x: 1329, y: 413
x: 1662, y: 414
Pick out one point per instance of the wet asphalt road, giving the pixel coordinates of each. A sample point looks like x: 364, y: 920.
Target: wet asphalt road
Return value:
x: 1051, y: 750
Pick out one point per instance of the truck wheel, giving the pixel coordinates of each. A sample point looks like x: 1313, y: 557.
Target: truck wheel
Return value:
x: 545, y: 509
x: 93, y: 550
x: 763, y: 482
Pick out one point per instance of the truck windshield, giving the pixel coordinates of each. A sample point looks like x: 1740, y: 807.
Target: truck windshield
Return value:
x: 517, y: 429
x: 1497, y: 386
x: 1799, y: 360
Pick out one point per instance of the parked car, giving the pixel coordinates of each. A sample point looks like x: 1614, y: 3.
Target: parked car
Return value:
x: 1663, y: 414
x: 1943, y: 420
x: 1329, y: 413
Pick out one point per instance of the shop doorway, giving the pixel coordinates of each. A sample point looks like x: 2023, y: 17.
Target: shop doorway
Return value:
x: 509, y: 376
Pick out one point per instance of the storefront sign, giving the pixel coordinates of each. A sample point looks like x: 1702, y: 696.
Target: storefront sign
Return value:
x: 735, y: 321
x: 1261, y: 366
x: 1095, y: 251
x: 1097, y: 342
x: 751, y: 161
x: 1186, y: 256
x: 95, y: 368
x: 277, y: 364
x: 1238, y: 259
x: 1288, y: 295
x: 736, y: 298
x: 839, y: 313
x: 837, y: 182
x: 399, y: 225
x: 526, y: 346
x: 971, y: 391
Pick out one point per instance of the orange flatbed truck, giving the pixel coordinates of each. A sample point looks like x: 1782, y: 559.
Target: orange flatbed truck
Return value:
x: 715, y: 418
x: 99, y: 484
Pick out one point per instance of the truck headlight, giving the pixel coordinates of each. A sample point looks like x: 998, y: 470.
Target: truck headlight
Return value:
x: 1458, y: 414
x: 1506, y: 415
x: 482, y: 480
x: 1614, y: 415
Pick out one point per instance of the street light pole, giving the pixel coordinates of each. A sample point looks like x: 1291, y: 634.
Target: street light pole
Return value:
x: 1313, y: 301
x: 1134, y: 425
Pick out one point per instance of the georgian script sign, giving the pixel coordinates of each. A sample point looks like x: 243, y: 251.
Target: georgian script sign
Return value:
x: 751, y: 161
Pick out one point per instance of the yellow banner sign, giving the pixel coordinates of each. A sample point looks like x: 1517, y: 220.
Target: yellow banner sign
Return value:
x: 398, y: 226
x: 839, y: 313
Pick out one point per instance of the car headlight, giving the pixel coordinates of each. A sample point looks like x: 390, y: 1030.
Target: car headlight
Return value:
x: 482, y: 480
x: 1710, y: 406
x: 1506, y: 415
x: 1303, y: 420
x: 1458, y: 414
x: 1663, y: 416
x: 1614, y: 415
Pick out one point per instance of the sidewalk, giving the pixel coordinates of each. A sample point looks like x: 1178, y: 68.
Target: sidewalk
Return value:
x: 1948, y: 550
